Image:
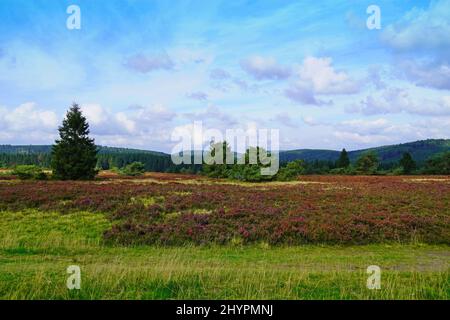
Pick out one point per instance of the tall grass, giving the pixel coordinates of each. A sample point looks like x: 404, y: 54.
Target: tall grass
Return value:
x: 37, y: 247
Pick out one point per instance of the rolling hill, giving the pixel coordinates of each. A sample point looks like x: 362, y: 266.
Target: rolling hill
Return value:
x: 420, y: 150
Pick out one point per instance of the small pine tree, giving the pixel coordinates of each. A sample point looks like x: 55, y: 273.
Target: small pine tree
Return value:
x: 407, y: 163
x: 74, y: 156
x: 367, y: 163
x: 343, y: 161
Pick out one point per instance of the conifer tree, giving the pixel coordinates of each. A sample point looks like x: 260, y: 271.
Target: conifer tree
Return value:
x: 407, y: 163
x: 74, y: 156
x: 343, y: 161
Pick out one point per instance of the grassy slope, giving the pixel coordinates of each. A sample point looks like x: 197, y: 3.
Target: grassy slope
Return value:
x: 37, y: 247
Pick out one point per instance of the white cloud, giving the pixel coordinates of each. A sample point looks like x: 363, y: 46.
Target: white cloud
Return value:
x: 317, y: 76
x: 322, y: 78
x: 26, y: 117
x: 360, y: 139
x: 27, y: 124
x: 363, y: 126
x: 395, y: 100
x: 103, y: 122
x: 432, y: 75
x: 424, y: 32
x: 421, y: 29
x: 265, y: 68
x: 304, y: 95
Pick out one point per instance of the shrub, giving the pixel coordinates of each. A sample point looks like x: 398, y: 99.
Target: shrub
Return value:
x: 27, y: 172
x: 247, y: 171
x: 345, y: 171
x: 367, y: 163
x: 133, y: 169
x: 291, y: 171
x: 439, y: 164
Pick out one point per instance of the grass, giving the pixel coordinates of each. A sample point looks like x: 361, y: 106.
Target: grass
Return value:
x: 37, y: 247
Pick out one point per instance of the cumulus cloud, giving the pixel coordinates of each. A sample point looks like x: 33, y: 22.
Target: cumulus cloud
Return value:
x: 433, y: 75
x: 363, y: 126
x: 364, y: 133
x: 317, y: 76
x: 28, y: 117
x: 104, y: 122
x: 360, y: 139
x: 262, y: 68
x: 320, y: 75
x: 27, y: 124
x: 396, y: 100
x: 421, y: 28
x: 423, y: 32
x: 375, y: 77
x: 138, y: 126
x: 304, y: 95
x: 147, y: 63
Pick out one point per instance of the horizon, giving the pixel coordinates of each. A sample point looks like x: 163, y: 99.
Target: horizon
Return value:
x: 316, y: 72
x: 281, y: 150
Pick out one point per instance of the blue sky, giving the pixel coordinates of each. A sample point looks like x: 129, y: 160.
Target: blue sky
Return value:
x: 144, y: 69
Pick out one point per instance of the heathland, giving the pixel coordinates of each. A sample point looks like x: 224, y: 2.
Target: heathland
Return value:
x: 166, y: 236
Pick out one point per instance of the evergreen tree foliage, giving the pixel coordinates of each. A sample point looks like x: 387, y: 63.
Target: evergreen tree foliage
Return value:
x: 344, y: 160
x: 407, y: 163
x: 368, y: 163
x: 439, y: 164
x: 74, y: 155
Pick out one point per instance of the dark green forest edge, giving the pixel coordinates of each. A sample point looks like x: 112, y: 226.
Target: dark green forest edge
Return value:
x: 420, y: 157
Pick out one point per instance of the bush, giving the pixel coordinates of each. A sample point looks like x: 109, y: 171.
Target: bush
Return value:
x: 28, y: 172
x: 133, y: 169
x: 367, y: 163
x: 291, y: 171
x: 344, y: 171
x: 439, y: 164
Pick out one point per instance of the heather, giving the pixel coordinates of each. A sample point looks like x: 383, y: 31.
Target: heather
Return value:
x: 170, y: 209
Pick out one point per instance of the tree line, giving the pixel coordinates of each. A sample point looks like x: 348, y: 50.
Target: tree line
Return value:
x: 75, y: 156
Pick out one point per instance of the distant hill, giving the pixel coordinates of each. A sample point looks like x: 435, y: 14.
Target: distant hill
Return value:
x: 108, y: 157
x: 33, y: 149
x: 160, y: 161
x: 420, y: 151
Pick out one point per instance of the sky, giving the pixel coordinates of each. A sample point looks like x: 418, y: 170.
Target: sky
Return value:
x: 142, y: 70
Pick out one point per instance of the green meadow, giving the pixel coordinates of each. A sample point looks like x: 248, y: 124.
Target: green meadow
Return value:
x: 36, y: 247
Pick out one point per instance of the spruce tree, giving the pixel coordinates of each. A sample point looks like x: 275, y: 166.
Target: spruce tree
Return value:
x: 343, y: 161
x: 407, y: 163
x: 74, y: 156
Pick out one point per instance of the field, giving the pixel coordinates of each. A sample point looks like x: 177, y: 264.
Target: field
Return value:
x: 163, y: 236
